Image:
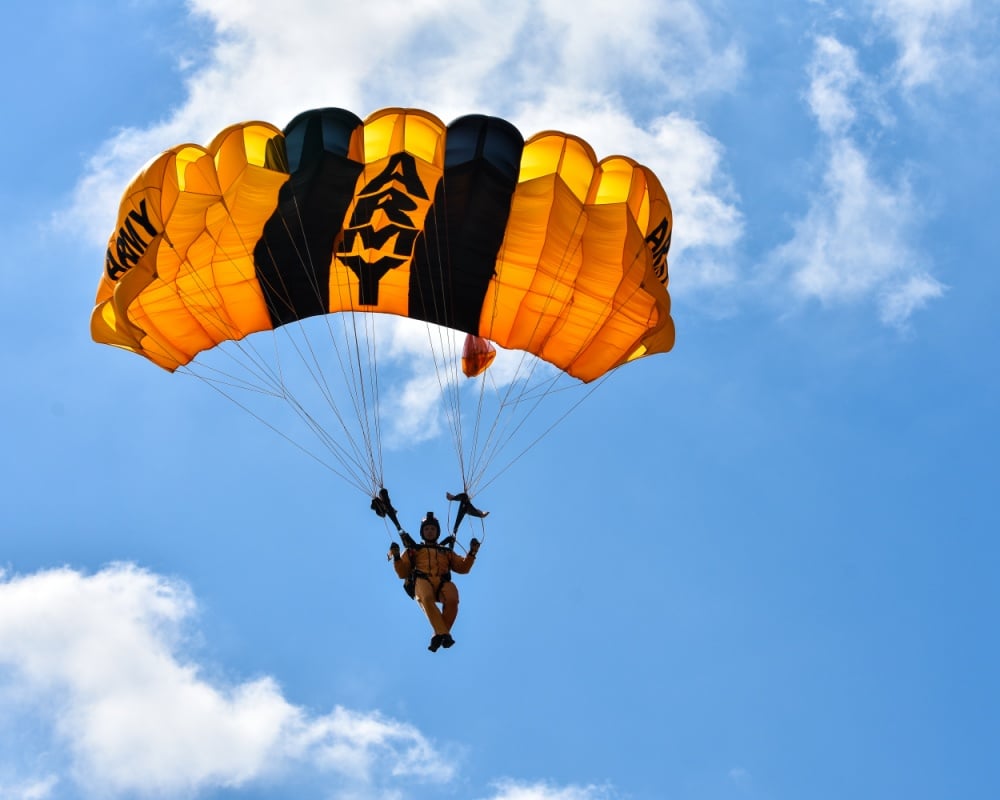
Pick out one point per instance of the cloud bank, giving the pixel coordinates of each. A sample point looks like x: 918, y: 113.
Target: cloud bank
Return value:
x: 100, y: 669
x: 100, y: 659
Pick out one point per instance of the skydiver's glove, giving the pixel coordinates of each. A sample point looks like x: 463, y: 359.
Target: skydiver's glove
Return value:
x: 394, y: 551
x: 473, y: 547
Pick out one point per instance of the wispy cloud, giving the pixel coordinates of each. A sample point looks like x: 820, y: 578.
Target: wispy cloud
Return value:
x: 32, y: 789
x: 740, y: 776
x: 837, y: 87
x: 102, y: 659
x: 514, y: 790
x: 933, y: 37
x: 856, y: 241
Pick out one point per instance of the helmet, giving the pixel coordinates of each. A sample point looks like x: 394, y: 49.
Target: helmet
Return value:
x: 430, y: 519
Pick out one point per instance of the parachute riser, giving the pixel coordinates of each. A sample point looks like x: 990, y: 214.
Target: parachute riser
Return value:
x: 382, y: 505
x: 464, y: 507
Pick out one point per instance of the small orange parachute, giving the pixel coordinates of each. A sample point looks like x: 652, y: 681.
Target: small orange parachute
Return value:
x: 477, y: 355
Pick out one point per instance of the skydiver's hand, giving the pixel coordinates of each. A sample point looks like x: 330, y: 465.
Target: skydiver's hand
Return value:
x: 473, y: 547
x: 394, y: 551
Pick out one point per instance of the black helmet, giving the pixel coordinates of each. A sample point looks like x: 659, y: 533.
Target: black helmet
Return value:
x: 430, y: 519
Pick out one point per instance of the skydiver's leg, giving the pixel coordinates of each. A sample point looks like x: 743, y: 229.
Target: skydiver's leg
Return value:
x: 424, y: 593
x: 449, y: 598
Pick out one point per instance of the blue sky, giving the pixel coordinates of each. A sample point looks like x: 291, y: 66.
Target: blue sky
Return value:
x: 762, y: 566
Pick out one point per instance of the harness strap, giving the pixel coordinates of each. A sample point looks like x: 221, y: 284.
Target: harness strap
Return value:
x: 444, y: 577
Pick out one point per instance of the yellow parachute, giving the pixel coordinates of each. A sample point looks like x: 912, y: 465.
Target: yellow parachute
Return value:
x: 533, y: 246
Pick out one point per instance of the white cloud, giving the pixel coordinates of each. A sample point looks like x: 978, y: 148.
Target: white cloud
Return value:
x: 899, y: 301
x: 856, y: 239
x: 932, y: 36
x: 840, y: 95
x: 740, y: 776
x: 514, y: 790
x: 34, y: 789
x: 853, y: 238
x: 834, y: 75
x: 100, y: 658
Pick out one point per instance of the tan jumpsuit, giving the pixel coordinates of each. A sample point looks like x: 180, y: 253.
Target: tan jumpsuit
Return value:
x: 431, y: 566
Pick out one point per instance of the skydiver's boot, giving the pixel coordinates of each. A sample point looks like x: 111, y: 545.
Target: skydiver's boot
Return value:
x: 446, y: 640
x: 436, y: 642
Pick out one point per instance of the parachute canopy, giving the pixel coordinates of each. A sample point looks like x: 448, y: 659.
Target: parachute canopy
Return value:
x: 532, y: 245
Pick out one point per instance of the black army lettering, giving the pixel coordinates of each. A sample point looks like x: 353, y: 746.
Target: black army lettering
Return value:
x: 129, y: 243
x: 391, y: 192
x: 659, y: 242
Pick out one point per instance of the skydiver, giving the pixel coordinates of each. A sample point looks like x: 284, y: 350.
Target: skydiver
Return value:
x: 426, y: 569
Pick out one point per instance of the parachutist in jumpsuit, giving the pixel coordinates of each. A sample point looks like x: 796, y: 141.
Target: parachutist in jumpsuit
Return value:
x: 430, y: 565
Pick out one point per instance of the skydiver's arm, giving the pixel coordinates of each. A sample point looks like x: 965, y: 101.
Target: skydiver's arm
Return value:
x: 403, y: 565
x: 461, y: 564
